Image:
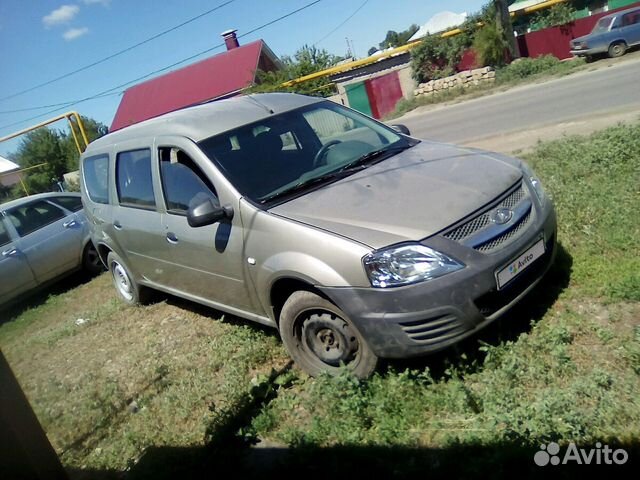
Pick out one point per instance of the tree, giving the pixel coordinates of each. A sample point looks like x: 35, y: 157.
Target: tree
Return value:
x: 504, y: 27
x: 372, y: 50
x: 559, y: 14
x: 305, y: 61
x: 397, y: 39
x: 54, y: 151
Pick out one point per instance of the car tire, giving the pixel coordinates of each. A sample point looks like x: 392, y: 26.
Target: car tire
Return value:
x: 617, y: 49
x: 91, y: 262
x: 320, y: 337
x: 128, y: 290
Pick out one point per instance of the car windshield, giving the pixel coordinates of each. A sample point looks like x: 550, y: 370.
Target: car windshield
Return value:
x: 602, y: 25
x: 292, y: 152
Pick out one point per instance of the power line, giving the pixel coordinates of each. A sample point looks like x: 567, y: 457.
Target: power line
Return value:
x: 120, y: 52
x: 345, y: 21
x: 110, y: 91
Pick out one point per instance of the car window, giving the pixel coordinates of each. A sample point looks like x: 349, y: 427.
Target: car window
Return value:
x: 631, y: 19
x: 33, y: 216
x: 133, y: 179
x: 71, y: 203
x: 262, y: 158
x: 602, y: 25
x: 182, y: 180
x: 96, y: 178
x: 4, y: 234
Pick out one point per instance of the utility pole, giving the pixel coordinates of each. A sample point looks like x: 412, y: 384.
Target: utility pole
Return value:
x: 503, y: 21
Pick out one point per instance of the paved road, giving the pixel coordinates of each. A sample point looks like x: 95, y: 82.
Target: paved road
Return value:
x: 583, y: 97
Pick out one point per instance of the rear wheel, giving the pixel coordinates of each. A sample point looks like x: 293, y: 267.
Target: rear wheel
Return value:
x: 127, y: 288
x: 617, y: 49
x: 320, y: 337
x: 91, y: 262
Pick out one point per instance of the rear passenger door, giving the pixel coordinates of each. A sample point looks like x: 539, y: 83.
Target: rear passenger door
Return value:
x: 50, y: 239
x: 15, y: 273
x: 205, y: 262
x: 137, y: 226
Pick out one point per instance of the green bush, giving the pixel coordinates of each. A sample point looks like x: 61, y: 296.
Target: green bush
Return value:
x: 527, y: 67
x: 490, y: 46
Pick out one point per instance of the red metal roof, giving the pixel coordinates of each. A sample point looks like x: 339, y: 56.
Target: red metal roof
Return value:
x: 210, y: 78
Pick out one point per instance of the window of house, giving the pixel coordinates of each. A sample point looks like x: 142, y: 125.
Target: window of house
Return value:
x: 182, y: 180
x: 133, y: 179
x: 70, y: 203
x: 96, y: 178
x: 33, y: 216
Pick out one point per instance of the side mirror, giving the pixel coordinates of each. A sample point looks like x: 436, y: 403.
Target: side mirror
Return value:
x: 401, y: 128
x: 207, y: 212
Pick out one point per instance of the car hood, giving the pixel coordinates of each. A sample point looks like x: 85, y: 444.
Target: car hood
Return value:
x: 409, y: 196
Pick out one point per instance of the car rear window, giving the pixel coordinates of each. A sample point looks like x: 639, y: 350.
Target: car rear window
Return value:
x: 71, y: 203
x: 33, y: 216
x: 4, y: 235
x: 133, y: 178
x: 96, y: 178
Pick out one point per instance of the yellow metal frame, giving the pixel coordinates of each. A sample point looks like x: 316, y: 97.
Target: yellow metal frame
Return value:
x: 76, y: 138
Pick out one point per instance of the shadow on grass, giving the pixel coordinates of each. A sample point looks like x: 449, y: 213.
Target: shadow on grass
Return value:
x: 499, y: 460
x: 41, y: 294
x: 515, y: 322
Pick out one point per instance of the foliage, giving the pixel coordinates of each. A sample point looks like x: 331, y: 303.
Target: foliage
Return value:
x: 56, y: 150
x: 525, y: 68
x: 305, y: 61
x: 437, y: 57
x: 559, y: 14
x: 490, y: 46
x: 397, y: 39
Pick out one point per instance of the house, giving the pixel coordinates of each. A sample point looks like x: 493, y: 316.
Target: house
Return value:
x: 221, y: 76
x: 9, y: 174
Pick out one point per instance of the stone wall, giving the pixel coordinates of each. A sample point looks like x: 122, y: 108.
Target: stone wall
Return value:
x: 464, y: 79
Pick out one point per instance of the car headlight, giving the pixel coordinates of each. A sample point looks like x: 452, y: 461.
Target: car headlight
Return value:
x: 535, y: 182
x: 406, y: 264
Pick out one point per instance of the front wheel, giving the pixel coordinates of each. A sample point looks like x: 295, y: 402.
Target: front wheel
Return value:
x: 320, y: 337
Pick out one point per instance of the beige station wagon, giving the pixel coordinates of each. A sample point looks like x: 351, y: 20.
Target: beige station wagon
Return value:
x: 355, y: 241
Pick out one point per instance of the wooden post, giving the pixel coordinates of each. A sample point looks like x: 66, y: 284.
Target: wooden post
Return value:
x: 24, y: 447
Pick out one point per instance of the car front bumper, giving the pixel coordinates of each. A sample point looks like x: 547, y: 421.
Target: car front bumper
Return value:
x: 429, y: 316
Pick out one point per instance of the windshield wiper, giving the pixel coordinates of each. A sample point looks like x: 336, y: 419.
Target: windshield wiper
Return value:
x: 350, y: 168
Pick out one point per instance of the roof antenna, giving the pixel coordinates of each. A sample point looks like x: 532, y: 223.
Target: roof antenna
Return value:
x: 260, y: 104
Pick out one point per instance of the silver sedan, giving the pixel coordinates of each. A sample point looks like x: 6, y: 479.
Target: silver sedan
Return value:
x: 42, y: 238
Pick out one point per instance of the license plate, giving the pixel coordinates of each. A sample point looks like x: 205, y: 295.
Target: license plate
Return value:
x: 520, y: 264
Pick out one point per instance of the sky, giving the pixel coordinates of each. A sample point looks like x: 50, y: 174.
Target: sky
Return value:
x: 44, y: 39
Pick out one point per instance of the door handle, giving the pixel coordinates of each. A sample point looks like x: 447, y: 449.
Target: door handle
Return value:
x: 69, y: 224
x: 117, y: 225
x: 10, y: 252
x: 171, y: 238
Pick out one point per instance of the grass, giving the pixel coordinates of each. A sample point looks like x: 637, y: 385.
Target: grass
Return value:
x: 525, y: 70
x: 163, y: 391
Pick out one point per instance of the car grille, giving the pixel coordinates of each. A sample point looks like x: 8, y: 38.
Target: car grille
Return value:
x: 474, y: 232
x: 499, y: 240
x: 433, y: 330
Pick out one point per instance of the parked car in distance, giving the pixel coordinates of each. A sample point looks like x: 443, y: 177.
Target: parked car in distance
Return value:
x: 43, y: 237
x: 356, y: 241
x: 613, y: 34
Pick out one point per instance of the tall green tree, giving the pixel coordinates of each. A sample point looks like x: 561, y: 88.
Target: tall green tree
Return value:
x: 305, y: 61
x: 53, y: 153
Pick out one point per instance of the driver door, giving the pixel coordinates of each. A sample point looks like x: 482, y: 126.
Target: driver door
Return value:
x: 205, y: 262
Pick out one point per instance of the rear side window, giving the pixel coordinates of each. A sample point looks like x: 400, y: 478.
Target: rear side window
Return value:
x: 133, y: 178
x: 4, y: 235
x: 33, y: 216
x: 96, y: 178
x: 631, y: 18
x: 70, y: 203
